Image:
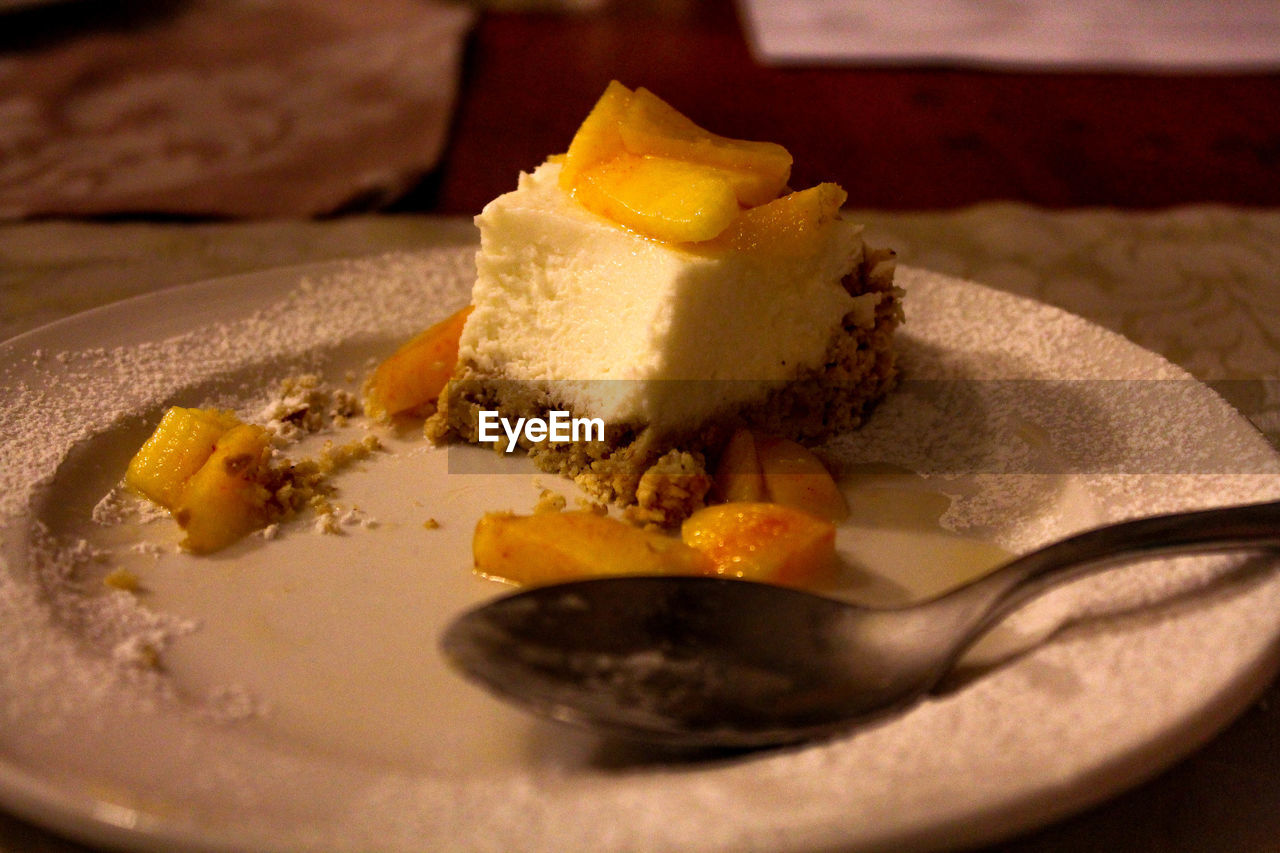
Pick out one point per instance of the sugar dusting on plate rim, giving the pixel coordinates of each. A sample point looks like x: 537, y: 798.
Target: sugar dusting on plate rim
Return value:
x: 894, y: 783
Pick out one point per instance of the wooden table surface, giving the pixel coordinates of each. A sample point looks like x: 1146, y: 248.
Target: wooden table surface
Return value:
x: 896, y: 138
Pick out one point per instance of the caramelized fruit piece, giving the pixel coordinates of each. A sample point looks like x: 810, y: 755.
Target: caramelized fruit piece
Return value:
x: 415, y: 374
x: 668, y: 200
x: 558, y: 546
x: 778, y: 470
x: 638, y: 161
x: 738, y: 475
x: 180, y: 444
x: 758, y: 171
x: 226, y: 499
x: 763, y: 542
x: 789, y: 226
x: 793, y: 476
x: 597, y: 139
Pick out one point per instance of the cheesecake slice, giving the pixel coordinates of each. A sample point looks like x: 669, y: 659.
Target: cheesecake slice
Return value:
x: 661, y: 298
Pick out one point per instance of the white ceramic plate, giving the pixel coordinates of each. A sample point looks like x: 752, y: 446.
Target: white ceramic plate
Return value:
x: 300, y: 702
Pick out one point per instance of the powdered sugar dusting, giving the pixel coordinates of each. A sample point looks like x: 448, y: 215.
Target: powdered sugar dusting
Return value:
x: 1018, y: 412
x: 54, y: 401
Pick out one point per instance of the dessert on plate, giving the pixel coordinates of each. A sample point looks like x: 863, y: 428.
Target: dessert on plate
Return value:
x: 661, y: 286
x: 652, y: 306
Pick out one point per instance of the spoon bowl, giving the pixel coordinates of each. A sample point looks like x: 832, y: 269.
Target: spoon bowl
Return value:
x: 719, y: 663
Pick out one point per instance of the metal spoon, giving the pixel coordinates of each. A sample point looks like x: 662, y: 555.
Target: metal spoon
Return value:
x: 711, y: 662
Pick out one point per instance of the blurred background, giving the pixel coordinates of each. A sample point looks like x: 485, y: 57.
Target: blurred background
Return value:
x: 183, y: 107
x: 1118, y: 159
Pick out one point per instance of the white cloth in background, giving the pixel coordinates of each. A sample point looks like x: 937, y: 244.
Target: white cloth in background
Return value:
x: 1134, y: 35
x: 267, y: 108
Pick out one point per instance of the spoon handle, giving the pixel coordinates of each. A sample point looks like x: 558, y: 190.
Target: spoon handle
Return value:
x: 978, y: 606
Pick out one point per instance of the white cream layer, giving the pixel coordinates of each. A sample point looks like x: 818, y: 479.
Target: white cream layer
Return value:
x: 638, y: 331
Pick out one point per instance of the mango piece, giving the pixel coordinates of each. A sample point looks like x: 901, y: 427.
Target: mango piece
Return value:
x: 638, y: 161
x: 559, y: 546
x: 794, y: 477
x: 180, y: 444
x: 790, y: 226
x: 738, y: 476
x: 777, y: 470
x: 763, y: 542
x: 758, y: 171
x: 597, y: 139
x: 416, y: 373
x: 668, y: 200
x: 226, y: 499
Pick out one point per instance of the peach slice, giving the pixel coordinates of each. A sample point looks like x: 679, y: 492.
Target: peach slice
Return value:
x: 738, y: 476
x: 416, y: 373
x: 558, y: 546
x: 640, y: 162
x: 757, y: 170
x: 790, y: 226
x: 795, y: 477
x: 226, y: 499
x: 763, y: 542
x: 665, y: 199
x: 597, y: 139
x: 767, y: 468
x: 182, y: 442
